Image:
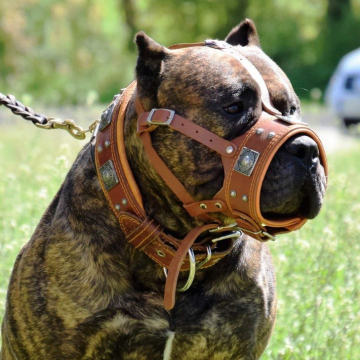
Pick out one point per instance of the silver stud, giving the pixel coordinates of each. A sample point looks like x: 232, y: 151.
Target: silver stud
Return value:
x: 117, y: 207
x: 124, y: 201
x: 271, y: 135
x: 259, y: 131
x: 160, y: 253
x: 218, y: 205
x: 100, y: 149
x: 245, y: 198
x: 107, y: 143
x: 233, y: 193
x: 229, y: 149
x: 203, y: 206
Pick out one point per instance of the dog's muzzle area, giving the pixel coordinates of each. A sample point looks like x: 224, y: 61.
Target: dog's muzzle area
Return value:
x: 295, y: 181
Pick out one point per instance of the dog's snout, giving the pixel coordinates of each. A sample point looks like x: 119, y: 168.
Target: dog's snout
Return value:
x: 304, y: 148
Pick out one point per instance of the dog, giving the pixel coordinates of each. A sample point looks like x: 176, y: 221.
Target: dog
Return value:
x: 79, y: 290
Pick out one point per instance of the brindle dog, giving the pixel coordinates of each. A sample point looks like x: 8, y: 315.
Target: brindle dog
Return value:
x: 80, y: 291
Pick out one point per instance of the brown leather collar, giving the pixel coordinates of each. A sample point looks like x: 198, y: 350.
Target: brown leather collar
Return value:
x: 125, y: 199
x: 245, y: 160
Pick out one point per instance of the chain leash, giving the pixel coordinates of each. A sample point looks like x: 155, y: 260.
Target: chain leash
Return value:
x: 43, y: 122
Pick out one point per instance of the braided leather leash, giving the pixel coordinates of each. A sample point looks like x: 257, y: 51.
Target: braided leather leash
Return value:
x: 24, y: 111
x: 44, y: 122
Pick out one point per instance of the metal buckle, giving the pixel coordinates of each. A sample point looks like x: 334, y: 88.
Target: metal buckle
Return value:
x: 158, y: 123
x: 192, y: 271
x: 271, y: 237
x: 235, y: 234
x: 225, y: 227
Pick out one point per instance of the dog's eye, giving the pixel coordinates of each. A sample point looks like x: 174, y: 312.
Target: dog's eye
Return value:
x: 292, y: 110
x: 234, y: 108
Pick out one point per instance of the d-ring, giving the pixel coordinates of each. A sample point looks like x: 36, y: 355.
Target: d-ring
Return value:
x: 208, y: 257
x: 192, y: 272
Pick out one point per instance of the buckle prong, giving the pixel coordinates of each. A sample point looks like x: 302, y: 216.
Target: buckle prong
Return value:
x: 234, y: 234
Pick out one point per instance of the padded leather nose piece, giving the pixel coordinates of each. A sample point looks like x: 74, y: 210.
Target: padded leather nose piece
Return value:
x: 304, y: 148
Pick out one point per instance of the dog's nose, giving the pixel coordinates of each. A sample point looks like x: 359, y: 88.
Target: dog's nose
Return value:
x: 304, y: 148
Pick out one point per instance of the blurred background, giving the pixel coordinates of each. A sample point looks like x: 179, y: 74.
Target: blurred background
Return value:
x: 81, y: 51
x: 67, y: 58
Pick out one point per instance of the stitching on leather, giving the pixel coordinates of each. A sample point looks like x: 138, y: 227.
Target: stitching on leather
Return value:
x: 264, y: 157
x: 122, y: 110
x: 97, y: 161
x: 113, y: 145
x: 126, y: 217
x: 141, y: 231
x: 228, y: 179
x: 148, y: 236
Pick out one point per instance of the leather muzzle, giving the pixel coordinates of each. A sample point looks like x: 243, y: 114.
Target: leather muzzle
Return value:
x: 245, y: 159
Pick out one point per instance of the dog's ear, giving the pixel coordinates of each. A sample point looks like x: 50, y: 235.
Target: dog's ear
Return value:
x: 244, y: 34
x: 149, y: 67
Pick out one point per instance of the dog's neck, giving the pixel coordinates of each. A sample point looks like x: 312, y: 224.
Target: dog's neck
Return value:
x: 159, y: 201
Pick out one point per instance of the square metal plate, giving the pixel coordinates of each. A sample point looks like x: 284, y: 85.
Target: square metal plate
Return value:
x: 106, y: 117
x: 246, y: 162
x: 108, y: 175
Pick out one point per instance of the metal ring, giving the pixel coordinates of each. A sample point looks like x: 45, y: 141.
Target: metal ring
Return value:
x: 192, y: 272
x: 208, y: 257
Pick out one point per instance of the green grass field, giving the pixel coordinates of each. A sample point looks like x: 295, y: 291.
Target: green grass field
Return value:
x: 318, y: 268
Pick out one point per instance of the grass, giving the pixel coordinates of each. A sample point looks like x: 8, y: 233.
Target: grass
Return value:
x: 318, y: 268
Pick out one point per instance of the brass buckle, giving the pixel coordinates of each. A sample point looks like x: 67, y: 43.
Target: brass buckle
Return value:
x: 150, y: 121
x: 271, y: 237
x: 234, y: 234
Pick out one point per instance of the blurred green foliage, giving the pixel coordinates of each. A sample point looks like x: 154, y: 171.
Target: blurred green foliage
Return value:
x: 81, y: 51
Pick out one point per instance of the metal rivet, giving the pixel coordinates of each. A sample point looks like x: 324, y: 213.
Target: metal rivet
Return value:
x: 203, y: 206
x: 117, y: 207
x: 124, y: 201
x: 160, y: 253
x: 259, y: 131
x: 245, y: 198
x: 218, y: 205
x: 233, y: 193
x: 229, y: 149
x: 107, y: 143
x: 100, y: 149
x: 271, y: 135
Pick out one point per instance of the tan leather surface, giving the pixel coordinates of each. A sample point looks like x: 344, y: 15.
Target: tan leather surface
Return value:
x: 141, y: 232
x: 179, y: 257
x: 126, y: 201
x: 188, y: 128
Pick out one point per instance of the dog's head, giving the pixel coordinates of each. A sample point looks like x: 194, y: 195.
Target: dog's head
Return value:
x: 213, y: 90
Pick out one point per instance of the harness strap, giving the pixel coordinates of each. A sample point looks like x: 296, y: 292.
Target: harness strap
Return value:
x: 123, y: 195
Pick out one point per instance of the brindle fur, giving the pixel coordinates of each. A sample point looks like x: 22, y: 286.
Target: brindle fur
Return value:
x: 80, y: 291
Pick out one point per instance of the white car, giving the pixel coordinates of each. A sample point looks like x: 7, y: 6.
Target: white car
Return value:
x: 343, y: 92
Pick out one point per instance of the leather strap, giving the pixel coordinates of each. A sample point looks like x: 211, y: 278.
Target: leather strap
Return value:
x: 175, y: 266
x: 124, y: 197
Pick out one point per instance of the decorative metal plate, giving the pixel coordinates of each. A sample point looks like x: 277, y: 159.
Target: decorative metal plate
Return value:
x: 246, y: 162
x: 108, y: 175
x: 106, y: 117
